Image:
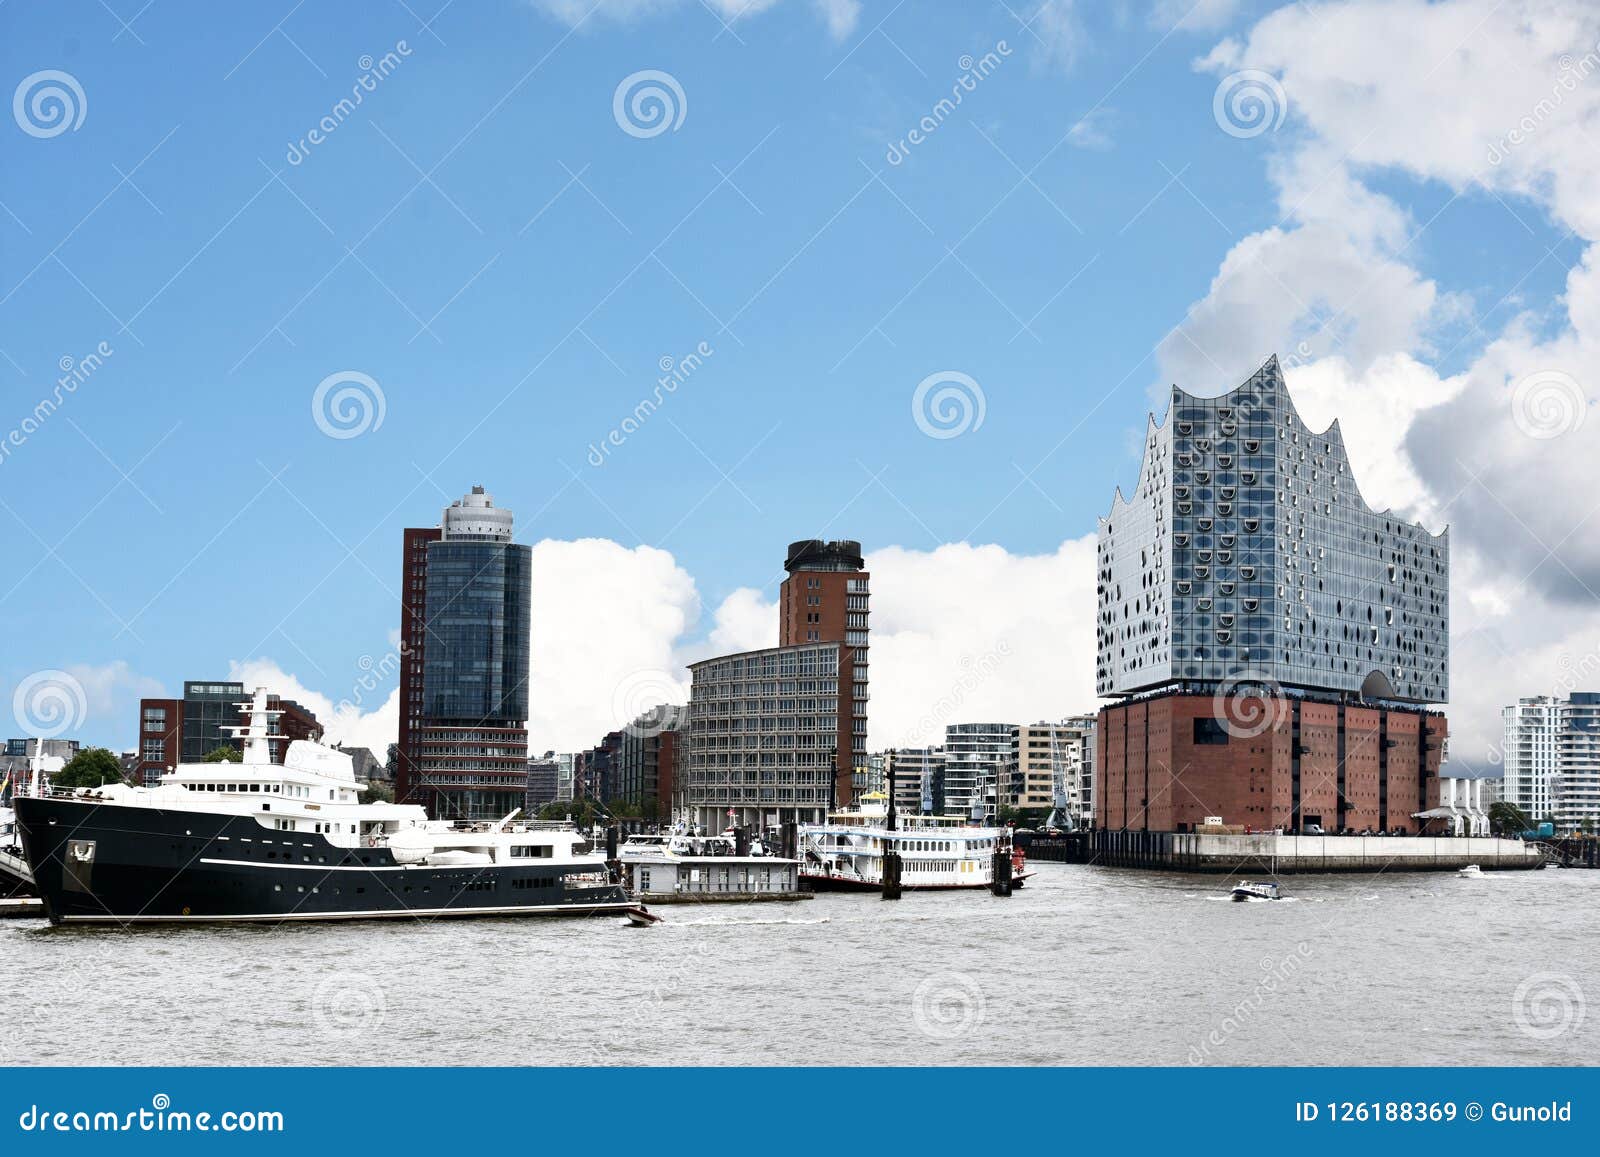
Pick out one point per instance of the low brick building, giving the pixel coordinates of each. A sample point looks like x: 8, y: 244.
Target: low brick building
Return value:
x: 1171, y: 761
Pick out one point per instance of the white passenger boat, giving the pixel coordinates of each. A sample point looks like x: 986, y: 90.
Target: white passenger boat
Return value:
x: 936, y: 852
x: 1470, y: 872
x: 1247, y: 891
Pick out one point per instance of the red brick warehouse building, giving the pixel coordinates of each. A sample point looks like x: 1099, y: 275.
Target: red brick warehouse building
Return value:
x: 1275, y: 642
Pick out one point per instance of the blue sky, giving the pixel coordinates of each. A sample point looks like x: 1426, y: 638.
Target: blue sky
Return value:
x: 483, y: 240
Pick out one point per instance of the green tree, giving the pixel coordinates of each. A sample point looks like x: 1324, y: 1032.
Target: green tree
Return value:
x: 91, y: 767
x: 227, y: 753
x: 1507, y: 817
x: 378, y: 793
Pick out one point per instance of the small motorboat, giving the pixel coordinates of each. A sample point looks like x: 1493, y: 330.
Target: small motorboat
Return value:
x: 641, y: 917
x: 1470, y: 872
x: 1247, y: 891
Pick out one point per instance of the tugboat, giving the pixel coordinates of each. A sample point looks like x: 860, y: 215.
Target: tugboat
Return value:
x: 266, y: 842
x: 1245, y: 890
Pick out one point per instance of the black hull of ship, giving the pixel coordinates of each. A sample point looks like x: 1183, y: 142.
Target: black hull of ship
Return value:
x: 151, y: 866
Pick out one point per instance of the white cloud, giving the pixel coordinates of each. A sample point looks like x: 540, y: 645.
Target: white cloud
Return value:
x: 1091, y: 132
x: 964, y: 634
x: 1193, y: 15
x: 1058, y: 35
x: 839, y: 16
x: 1491, y: 99
x: 745, y: 621
x: 369, y: 720
x: 111, y: 694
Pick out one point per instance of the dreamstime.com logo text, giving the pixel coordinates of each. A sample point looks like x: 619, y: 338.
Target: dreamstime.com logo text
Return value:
x: 972, y: 73
x: 160, y: 1117
x: 673, y: 374
x: 373, y: 73
x: 74, y: 373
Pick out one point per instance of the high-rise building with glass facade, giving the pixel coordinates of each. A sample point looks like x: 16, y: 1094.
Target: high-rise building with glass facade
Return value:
x: 466, y: 755
x: 1270, y: 633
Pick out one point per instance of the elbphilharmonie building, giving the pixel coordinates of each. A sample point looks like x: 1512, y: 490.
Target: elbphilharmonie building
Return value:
x: 1247, y: 546
x: 1273, y: 640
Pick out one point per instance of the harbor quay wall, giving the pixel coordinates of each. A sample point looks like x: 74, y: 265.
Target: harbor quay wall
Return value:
x: 1266, y: 853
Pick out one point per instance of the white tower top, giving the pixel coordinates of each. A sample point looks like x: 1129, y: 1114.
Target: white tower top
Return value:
x: 475, y: 515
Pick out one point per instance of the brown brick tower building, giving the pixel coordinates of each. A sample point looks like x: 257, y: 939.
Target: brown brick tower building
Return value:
x: 1273, y: 639
x: 824, y: 599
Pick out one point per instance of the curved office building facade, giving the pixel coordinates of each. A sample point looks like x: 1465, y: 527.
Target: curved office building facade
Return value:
x: 1247, y: 550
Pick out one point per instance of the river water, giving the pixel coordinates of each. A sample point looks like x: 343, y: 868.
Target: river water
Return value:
x: 1082, y: 966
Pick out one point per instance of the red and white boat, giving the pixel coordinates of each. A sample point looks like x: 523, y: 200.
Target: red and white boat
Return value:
x: 936, y: 852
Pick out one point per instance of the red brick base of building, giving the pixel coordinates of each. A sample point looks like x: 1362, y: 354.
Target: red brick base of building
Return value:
x: 1170, y: 762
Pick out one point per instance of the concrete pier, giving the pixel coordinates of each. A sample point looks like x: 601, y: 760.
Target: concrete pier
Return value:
x: 1264, y: 853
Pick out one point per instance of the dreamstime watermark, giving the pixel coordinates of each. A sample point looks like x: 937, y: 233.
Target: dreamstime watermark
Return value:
x: 348, y: 404
x: 973, y: 72
x: 674, y: 372
x: 1569, y: 76
x: 948, y: 404
x: 49, y: 103
x: 1248, y: 103
x: 1547, y: 404
x: 49, y: 703
x: 648, y: 103
x: 349, y: 1004
x: 375, y: 675
x: 74, y: 373
x: 949, y: 1006
x: 974, y: 673
x: 373, y: 73
x: 643, y: 702
x: 1547, y: 1005
x: 160, y: 1117
x: 1245, y: 703
x: 1274, y: 975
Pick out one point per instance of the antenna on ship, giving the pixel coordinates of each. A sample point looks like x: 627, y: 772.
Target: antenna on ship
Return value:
x: 258, y: 734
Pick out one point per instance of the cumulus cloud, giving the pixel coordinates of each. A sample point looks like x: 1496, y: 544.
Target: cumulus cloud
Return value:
x: 1494, y: 100
x: 965, y: 634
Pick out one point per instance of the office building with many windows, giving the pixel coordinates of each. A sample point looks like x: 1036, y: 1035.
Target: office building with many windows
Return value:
x: 465, y: 752
x: 1273, y: 638
x: 1552, y: 759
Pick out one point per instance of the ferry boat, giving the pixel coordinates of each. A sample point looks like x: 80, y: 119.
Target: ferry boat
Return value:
x: 680, y: 868
x: 936, y: 852
x: 260, y: 841
x: 1247, y: 891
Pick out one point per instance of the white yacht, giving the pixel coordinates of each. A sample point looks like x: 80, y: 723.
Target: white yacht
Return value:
x: 936, y: 852
x: 261, y: 841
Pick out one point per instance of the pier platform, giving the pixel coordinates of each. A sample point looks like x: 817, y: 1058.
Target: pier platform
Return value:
x: 1265, y: 853
x: 22, y: 908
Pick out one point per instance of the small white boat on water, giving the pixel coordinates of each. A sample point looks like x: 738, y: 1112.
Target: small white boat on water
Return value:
x: 1470, y: 872
x: 1247, y: 891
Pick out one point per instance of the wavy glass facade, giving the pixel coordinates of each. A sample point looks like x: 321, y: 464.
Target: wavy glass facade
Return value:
x: 1246, y: 550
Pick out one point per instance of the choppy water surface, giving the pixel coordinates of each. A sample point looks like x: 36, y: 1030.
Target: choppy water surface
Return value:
x: 1083, y: 966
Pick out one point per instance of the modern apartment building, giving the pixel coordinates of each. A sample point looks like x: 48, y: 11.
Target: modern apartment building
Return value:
x: 764, y: 737
x: 975, y: 759
x: 646, y: 761
x: 918, y: 779
x: 1552, y: 758
x: 1051, y: 770
x: 1270, y: 634
x: 465, y: 753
